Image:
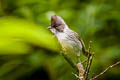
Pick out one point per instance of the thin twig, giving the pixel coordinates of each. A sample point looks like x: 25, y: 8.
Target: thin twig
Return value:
x: 89, y: 61
x: 75, y: 75
x: 108, y: 68
x: 89, y: 66
x: 86, y: 69
x: 84, y: 61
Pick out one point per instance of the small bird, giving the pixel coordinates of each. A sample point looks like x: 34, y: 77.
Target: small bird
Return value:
x: 69, y: 39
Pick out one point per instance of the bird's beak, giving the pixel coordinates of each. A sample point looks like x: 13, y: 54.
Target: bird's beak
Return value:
x: 49, y: 27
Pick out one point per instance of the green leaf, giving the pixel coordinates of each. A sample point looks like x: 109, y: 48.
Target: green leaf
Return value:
x: 16, y: 36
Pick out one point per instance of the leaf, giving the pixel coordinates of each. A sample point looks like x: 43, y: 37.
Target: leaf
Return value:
x: 16, y: 36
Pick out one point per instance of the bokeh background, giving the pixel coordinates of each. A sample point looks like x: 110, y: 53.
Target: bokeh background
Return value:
x: 29, y: 52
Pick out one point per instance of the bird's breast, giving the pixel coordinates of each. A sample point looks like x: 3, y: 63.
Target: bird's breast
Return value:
x: 65, y: 43
x: 61, y: 36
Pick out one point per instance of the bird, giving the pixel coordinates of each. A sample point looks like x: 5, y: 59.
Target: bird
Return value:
x: 70, y: 41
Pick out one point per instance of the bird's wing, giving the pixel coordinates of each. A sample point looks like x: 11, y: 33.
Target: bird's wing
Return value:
x: 82, y: 42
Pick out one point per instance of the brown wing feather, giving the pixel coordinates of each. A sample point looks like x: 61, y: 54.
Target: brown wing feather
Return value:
x: 83, y: 45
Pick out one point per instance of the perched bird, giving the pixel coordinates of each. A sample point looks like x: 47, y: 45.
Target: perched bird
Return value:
x: 69, y: 40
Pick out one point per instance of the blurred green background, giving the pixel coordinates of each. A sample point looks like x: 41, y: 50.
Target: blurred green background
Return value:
x: 29, y: 52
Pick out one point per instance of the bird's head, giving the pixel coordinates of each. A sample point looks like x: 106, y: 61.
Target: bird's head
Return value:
x: 57, y: 24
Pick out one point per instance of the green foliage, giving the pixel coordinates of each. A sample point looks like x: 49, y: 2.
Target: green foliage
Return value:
x: 25, y: 40
x: 17, y: 35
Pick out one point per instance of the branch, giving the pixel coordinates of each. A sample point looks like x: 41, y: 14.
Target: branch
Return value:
x: 89, y: 61
x: 81, y: 71
x: 84, y: 61
x: 69, y: 60
x: 108, y: 68
x: 88, y: 67
x: 75, y: 75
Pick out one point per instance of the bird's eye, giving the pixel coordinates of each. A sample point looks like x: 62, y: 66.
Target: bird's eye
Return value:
x: 57, y: 25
